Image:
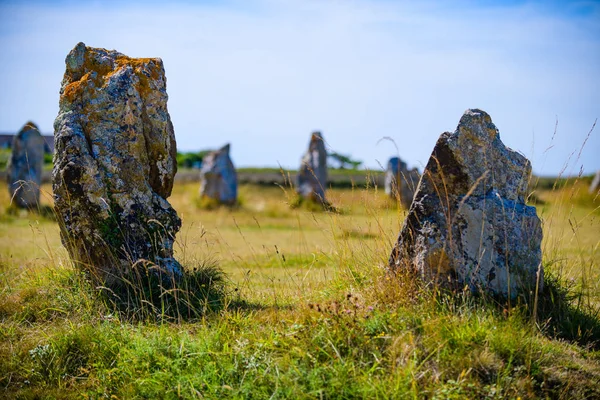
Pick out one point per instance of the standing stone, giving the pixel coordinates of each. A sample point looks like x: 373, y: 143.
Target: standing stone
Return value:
x: 115, y: 163
x: 595, y: 183
x: 25, y: 167
x: 218, y: 178
x: 468, y: 223
x: 400, y: 182
x: 312, y: 177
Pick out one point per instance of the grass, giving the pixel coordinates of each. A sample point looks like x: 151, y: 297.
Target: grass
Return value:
x: 6, y: 154
x: 308, y: 310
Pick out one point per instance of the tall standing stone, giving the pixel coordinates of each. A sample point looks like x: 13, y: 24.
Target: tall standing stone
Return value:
x: 25, y: 167
x: 218, y: 178
x: 400, y: 182
x: 595, y: 185
x: 115, y: 163
x: 468, y: 223
x: 312, y: 177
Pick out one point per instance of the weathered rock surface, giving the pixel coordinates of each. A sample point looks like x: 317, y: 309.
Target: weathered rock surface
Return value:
x: 595, y: 185
x: 400, y: 182
x: 24, y: 175
x: 468, y: 223
x: 312, y: 177
x: 218, y: 178
x: 114, y: 163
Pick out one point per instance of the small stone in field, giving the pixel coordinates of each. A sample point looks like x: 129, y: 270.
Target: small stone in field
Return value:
x: 25, y: 167
x: 595, y: 183
x: 218, y: 178
x: 400, y: 182
x: 312, y: 177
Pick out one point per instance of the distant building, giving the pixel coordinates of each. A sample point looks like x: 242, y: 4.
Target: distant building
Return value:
x: 6, y: 140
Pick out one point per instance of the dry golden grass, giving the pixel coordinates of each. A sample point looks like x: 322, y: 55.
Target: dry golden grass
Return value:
x: 271, y: 250
x: 265, y: 247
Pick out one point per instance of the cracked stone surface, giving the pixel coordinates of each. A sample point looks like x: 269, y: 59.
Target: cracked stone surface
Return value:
x: 115, y: 163
x: 468, y: 223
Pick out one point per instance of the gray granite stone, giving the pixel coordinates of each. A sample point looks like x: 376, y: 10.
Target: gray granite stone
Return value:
x: 218, y: 178
x: 312, y: 177
x: 400, y: 182
x: 468, y: 223
x: 24, y: 175
x: 595, y: 185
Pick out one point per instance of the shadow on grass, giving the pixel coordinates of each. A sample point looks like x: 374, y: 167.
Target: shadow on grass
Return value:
x: 243, y: 305
x: 560, y: 311
x: 563, y: 314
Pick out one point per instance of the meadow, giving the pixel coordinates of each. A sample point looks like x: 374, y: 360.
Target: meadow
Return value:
x: 309, y: 310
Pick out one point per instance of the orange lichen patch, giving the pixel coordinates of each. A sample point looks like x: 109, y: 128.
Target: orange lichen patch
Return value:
x: 144, y: 68
x: 99, y: 65
x: 74, y: 88
x: 90, y: 64
x: 144, y: 86
x: 139, y: 64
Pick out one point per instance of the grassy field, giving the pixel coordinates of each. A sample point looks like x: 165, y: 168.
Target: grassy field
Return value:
x: 309, y: 311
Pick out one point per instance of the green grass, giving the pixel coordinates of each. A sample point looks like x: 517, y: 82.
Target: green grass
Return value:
x: 308, y: 310
x: 6, y: 154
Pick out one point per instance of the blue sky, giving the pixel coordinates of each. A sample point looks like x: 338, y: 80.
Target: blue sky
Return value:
x: 263, y: 74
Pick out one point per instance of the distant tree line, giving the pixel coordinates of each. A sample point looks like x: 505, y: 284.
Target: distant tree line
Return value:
x: 191, y: 159
x: 194, y: 160
x: 344, y: 161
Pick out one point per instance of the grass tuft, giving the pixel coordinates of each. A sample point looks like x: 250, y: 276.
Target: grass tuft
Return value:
x: 143, y: 295
x: 302, y: 203
x: 207, y: 203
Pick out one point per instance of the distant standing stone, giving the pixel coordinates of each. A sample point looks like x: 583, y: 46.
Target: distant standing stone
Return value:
x: 115, y: 164
x: 595, y: 183
x: 400, y: 182
x: 312, y: 177
x: 468, y: 223
x: 25, y: 167
x: 218, y: 178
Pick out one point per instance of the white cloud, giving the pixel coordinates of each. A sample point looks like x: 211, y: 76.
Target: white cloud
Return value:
x: 262, y: 75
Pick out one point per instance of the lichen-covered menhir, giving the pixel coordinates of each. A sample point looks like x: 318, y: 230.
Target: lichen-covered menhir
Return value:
x: 115, y: 163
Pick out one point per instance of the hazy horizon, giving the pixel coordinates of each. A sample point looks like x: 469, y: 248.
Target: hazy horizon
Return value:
x: 262, y: 75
